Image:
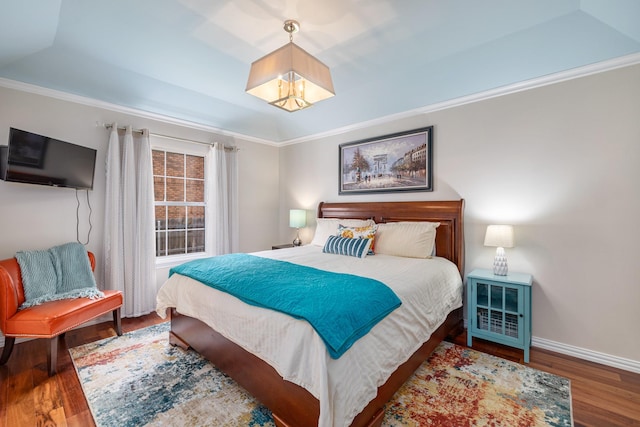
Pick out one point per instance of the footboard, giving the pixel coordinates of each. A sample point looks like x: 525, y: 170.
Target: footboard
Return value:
x: 290, y: 404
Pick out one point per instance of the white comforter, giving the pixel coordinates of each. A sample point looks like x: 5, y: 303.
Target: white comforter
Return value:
x: 428, y: 288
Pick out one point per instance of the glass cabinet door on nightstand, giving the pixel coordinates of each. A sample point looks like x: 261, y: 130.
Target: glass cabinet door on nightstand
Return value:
x: 498, y: 310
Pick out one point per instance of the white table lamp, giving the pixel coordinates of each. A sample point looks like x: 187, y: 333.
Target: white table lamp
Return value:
x: 297, y: 220
x: 500, y: 236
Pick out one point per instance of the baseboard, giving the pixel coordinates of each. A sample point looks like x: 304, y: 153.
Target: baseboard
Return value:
x: 590, y: 355
x: 584, y: 354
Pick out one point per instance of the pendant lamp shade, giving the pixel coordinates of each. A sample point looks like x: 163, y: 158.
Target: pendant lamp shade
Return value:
x: 289, y: 77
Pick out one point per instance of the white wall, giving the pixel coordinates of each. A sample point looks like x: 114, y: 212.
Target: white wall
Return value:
x: 38, y: 217
x: 561, y: 163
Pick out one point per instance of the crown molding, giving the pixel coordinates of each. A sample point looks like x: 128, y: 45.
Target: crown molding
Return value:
x: 91, y: 102
x: 574, y: 73
x: 598, y: 67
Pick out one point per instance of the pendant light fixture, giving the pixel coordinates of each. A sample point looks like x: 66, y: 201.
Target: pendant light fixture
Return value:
x: 289, y: 77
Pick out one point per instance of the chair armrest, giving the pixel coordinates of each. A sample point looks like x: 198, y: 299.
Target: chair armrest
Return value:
x: 9, y: 273
x: 92, y: 260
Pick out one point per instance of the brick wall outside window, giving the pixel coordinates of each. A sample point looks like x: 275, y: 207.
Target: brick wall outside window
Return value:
x: 178, y: 183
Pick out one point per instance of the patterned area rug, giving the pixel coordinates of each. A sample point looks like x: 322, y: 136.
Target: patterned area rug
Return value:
x: 138, y: 379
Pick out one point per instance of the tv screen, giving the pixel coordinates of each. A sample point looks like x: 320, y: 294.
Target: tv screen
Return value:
x: 37, y: 159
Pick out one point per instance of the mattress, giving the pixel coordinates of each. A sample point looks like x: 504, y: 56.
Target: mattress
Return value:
x: 428, y: 288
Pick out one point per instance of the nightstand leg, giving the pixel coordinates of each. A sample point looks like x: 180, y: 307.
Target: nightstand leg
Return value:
x: 469, y: 338
x: 526, y: 355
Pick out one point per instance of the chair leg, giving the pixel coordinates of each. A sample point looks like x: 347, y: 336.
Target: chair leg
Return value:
x: 117, y: 321
x: 8, y: 348
x: 52, y: 355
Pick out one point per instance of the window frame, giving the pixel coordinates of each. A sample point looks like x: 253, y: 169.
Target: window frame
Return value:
x: 194, y: 149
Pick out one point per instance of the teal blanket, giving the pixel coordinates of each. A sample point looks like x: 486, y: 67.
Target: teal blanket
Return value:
x: 57, y: 273
x: 341, y: 307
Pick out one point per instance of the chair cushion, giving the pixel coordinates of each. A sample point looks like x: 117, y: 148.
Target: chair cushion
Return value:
x: 55, y: 317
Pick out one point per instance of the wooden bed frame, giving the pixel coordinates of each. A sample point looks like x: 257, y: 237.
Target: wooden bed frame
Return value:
x: 290, y: 404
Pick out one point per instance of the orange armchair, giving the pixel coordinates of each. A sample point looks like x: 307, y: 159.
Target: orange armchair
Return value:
x: 51, y: 319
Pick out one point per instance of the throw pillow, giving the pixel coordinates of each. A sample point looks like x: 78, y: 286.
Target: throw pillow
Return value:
x: 345, y: 246
x: 364, y: 232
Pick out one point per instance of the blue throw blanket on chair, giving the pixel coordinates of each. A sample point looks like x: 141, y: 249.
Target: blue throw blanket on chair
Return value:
x: 58, y: 273
x: 341, y: 307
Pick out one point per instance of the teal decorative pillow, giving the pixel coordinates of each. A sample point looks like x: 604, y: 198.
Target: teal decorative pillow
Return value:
x: 346, y: 246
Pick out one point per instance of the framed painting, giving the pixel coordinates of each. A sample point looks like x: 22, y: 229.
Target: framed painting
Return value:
x: 398, y: 162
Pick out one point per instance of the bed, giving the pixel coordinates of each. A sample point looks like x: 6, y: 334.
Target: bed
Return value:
x: 247, y: 354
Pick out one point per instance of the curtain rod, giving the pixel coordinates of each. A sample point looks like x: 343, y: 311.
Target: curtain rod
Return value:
x: 175, y: 138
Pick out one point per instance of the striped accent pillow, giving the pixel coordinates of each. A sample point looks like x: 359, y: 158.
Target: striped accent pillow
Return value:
x: 344, y: 246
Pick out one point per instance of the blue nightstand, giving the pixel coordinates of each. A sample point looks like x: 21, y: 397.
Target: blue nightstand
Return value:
x: 500, y: 308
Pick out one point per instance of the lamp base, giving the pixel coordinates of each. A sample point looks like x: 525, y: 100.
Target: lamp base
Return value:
x: 297, y: 241
x: 500, y: 267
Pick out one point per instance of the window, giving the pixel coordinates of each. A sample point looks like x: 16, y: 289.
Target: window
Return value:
x: 180, y: 208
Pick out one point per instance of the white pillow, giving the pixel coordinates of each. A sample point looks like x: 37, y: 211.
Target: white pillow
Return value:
x: 406, y: 239
x: 326, y: 227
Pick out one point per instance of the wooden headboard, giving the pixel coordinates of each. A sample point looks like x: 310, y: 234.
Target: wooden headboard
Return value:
x: 450, y: 215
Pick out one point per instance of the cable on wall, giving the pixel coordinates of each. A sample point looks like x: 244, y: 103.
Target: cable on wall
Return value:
x: 78, y: 218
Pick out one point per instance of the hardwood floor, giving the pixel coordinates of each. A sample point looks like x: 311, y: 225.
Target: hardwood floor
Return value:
x: 602, y: 396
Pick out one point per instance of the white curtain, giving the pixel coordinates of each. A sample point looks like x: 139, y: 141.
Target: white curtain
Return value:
x: 129, y: 245
x: 223, y: 199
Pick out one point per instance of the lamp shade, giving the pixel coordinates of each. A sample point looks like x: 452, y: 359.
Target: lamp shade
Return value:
x: 290, y: 78
x: 500, y: 236
x: 297, y: 218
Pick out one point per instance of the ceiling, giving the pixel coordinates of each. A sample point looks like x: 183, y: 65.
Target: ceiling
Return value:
x: 189, y: 59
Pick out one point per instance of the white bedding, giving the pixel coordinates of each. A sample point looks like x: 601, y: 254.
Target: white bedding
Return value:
x: 428, y: 288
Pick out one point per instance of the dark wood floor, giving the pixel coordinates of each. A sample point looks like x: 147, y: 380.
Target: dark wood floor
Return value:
x: 602, y: 396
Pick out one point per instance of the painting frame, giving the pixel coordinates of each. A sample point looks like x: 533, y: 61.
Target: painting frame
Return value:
x: 398, y: 162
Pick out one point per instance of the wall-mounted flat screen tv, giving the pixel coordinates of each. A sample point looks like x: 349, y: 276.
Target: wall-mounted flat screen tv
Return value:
x: 37, y: 159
